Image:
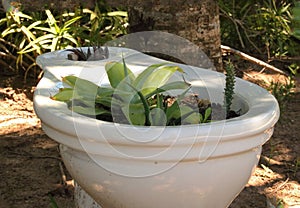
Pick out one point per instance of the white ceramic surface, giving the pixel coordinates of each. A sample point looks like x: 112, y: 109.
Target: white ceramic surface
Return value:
x: 145, y: 167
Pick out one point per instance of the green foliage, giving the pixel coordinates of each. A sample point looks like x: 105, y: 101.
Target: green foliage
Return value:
x: 103, y: 24
x: 53, y: 35
x: 296, y: 20
x: 24, y: 36
x: 262, y: 27
x: 131, y: 99
x: 53, y: 202
x: 273, y: 20
x: 15, y: 35
x: 282, y: 92
x: 296, y: 166
x: 294, y: 68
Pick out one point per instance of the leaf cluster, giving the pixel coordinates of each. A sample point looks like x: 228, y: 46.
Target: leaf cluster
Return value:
x: 282, y: 92
x: 143, y: 99
x: 296, y: 20
x: 24, y: 36
x: 79, y: 55
x: 264, y: 27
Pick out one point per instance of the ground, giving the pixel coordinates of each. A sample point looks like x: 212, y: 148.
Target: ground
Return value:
x: 32, y: 173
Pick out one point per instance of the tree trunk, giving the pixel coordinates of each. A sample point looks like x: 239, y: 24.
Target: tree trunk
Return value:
x: 194, y: 20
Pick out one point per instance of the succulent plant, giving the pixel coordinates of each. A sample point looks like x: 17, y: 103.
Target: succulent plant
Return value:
x: 229, y: 87
x: 143, y: 99
x: 136, y: 100
x: 79, y: 55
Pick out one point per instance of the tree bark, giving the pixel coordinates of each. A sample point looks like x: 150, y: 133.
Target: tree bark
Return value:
x: 194, y: 20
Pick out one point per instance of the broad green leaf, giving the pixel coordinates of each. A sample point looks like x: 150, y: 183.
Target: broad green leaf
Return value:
x: 89, y: 110
x: 85, y: 86
x: 206, y: 115
x: 134, y: 113
x: 105, y: 97
x: 189, y: 115
x: 158, y: 117
x: 86, y: 98
x: 81, y: 87
x: 183, y: 114
x: 116, y: 74
x: 64, y: 95
x: 145, y: 106
x: 70, y: 80
x: 158, y: 78
x: 141, y: 78
x: 179, y: 114
x: 105, y: 92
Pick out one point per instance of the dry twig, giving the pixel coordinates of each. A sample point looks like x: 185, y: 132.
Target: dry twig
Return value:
x: 252, y: 59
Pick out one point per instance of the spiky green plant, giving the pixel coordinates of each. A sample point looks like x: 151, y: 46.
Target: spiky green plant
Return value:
x: 229, y: 87
x: 79, y: 55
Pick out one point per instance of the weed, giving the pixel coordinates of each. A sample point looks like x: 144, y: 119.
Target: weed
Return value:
x: 263, y: 27
x: 294, y: 68
x: 52, y: 202
x: 282, y: 92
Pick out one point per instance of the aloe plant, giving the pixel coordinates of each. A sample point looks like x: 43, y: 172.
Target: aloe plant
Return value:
x: 142, y: 99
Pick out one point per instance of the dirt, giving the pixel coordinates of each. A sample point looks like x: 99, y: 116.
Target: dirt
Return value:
x: 32, y: 173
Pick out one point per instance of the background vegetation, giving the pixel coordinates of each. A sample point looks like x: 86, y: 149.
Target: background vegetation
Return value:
x: 266, y: 29
x: 26, y: 35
